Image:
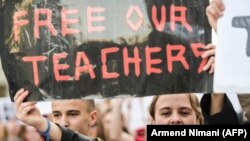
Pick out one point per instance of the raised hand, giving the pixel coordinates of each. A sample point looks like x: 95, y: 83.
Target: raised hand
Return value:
x: 27, y: 112
x: 214, y: 11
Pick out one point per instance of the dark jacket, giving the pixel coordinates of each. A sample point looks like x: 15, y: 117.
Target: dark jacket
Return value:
x: 69, y: 135
x: 227, y: 116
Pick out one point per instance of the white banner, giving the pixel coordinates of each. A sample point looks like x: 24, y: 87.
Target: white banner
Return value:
x: 232, y: 62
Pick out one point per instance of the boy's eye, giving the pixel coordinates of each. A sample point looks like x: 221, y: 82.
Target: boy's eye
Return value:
x: 56, y: 115
x: 184, y: 113
x: 165, y: 113
x: 73, y: 114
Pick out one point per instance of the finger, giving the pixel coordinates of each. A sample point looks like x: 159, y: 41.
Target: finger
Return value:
x: 212, y: 12
x: 25, y: 112
x: 24, y: 105
x: 216, y: 6
x: 212, y: 69
x: 212, y: 17
x: 18, y: 94
x: 20, y: 98
x: 209, y: 64
x: 209, y: 46
x: 208, y: 53
x: 220, y: 4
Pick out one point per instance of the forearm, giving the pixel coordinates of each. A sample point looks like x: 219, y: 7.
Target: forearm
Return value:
x: 28, y: 113
x: 55, y: 132
x: 217, y: 116
x: 217, y: 103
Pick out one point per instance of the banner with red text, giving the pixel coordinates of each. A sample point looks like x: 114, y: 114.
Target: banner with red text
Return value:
x: 64, y: 49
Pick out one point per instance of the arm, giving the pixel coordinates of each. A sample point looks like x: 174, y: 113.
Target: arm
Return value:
x: 214, y: 11
x: 28, y: 113
x: 217, y: 103
x: 217, y: 109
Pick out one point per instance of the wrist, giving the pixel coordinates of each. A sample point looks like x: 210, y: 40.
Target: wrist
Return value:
x: 42, y: 125
x: 45, y: 132
x: 217, y: 97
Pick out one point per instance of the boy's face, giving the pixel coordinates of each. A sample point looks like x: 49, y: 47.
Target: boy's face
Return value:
x: 174, y: 109
x: 73, y: 114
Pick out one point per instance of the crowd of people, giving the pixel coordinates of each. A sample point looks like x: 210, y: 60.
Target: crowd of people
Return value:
x: 87, y: 120
x: 82, y: 119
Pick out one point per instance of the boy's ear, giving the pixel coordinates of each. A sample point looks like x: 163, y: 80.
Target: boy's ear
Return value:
x: 93, y: 118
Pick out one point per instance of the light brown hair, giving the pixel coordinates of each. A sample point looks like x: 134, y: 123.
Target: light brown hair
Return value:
x: 195, y: 104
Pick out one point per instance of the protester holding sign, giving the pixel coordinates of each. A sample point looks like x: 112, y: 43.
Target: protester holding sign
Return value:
x: 29, y: 114
x: 185, y: 108
x: 76, y: 114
